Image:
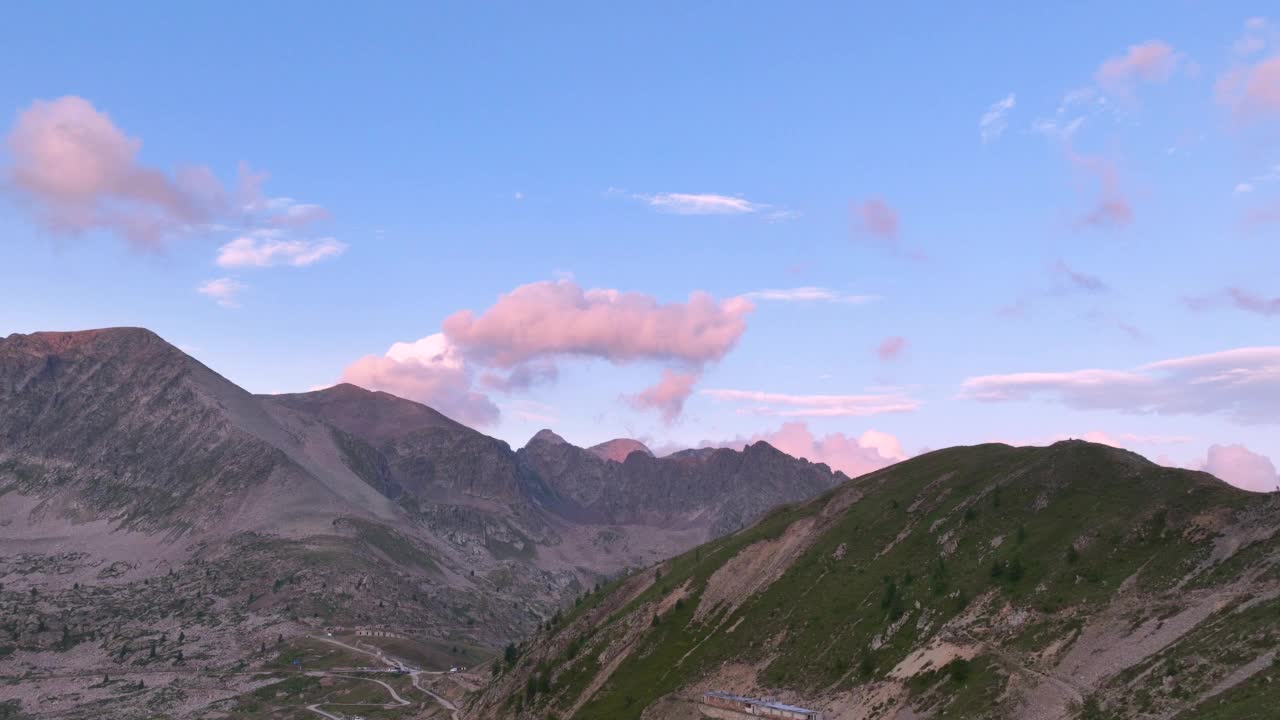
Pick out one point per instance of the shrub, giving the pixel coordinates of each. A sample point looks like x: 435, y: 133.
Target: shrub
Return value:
x: 957, y: 670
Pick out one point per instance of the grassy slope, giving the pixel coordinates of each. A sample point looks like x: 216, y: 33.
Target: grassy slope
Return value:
x: 1071, y: 522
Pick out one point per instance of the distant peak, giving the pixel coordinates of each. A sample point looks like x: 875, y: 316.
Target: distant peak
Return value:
x: 344, y: 389
x: 618, y: 449
x: 547, y: 436
x: 62, y: 341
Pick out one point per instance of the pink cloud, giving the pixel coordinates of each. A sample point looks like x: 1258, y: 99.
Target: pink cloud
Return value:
x: 430, y: 371
x: 517, y: 343
x: 1241, y: 384
x: 875, y: 216
x: 1252, y: 92
x: 891, y: 348
x: 81, y: 173
x: 78, y: 172
x: 557, y: 318
x: 1112, y: 207
x: 788, y: 405
x: 852, y: 455
x: 1243, y: 468
x: 668, y: 395
x: 1152, y: 61
x: 225, y: 291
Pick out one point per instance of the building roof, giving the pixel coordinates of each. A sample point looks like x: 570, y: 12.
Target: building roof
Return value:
x: 757, y: 701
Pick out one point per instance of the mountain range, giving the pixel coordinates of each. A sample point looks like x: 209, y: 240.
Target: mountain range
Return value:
x: 142, y: 494
x: 158, y: 522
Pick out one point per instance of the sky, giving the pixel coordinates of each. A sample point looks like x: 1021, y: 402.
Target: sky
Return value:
x: 859, y: 233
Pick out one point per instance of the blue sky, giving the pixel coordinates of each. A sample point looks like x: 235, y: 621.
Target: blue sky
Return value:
x: 460, y: 153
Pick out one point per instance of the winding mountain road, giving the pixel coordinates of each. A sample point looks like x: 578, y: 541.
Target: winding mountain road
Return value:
x: 415, y: 676
x: 397, y: 701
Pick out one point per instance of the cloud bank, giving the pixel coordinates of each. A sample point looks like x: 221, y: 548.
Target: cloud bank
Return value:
x: 1242, y: 385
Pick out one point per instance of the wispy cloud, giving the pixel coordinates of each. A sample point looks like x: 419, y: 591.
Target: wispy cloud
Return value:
x: 809, y: 294
x: 1272, y: 174
x: 1238, y: 298
x: 1152, y: 61
x: 677, y: 203
x: 1111, y: 207
x: 1075, y: 106
x: 789, y: 405
x: 223, y: 291
x: 701, y: 203
x: 267, y: 249
x: 1072, y: 280
x: 1063, y: 281
x: 1242, y: 384
x: 993, y: 122
x: 1258, y: 35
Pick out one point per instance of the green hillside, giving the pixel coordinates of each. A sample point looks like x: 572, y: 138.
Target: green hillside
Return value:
x: 989, y: 581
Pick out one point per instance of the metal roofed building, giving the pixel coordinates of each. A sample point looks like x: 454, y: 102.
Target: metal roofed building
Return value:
x: 759, y: 708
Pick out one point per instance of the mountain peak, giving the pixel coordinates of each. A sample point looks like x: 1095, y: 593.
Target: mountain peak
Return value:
x: 618, y: 449
x: 545, y: 435
x: 63, y: 341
